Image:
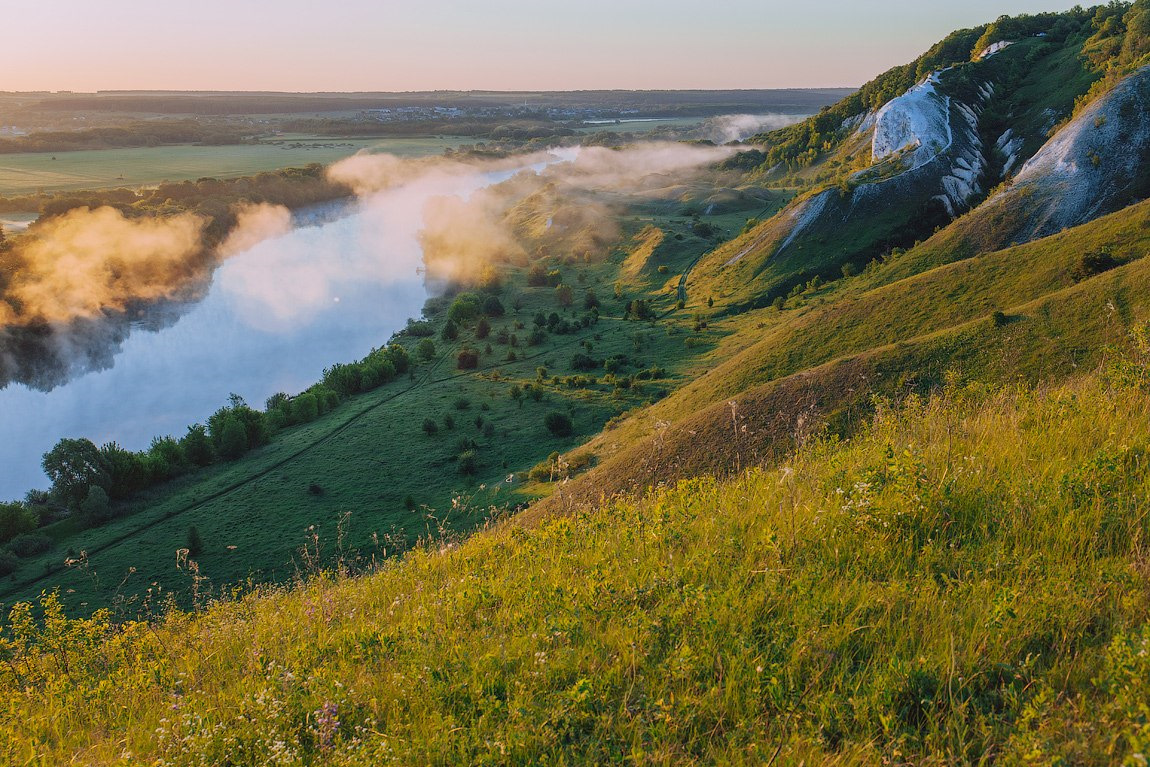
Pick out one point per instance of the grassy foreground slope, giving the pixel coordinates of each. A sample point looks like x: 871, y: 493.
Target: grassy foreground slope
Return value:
x: 967, y: 578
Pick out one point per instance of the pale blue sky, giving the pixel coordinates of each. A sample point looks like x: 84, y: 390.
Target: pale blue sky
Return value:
x: 348, y: 45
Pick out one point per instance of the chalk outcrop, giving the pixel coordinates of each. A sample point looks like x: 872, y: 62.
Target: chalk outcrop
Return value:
x: 1096, y: 164
x: 916, y: 124
x: 928, y: 162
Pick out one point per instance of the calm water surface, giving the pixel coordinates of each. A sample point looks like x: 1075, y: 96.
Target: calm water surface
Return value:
x: 273, y: 319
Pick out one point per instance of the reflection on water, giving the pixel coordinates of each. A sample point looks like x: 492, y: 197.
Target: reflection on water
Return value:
x: 273, y: 318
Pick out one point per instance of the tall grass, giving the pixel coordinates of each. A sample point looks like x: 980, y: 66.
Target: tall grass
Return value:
x: 965, y: 581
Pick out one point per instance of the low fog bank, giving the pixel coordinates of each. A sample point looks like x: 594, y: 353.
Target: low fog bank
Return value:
x: 728, y: 128
x: 152, y: 338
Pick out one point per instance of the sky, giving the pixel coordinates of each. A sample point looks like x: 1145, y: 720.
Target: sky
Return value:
x: 388, y: 45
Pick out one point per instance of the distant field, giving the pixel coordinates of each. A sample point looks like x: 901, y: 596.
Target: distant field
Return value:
x: 34, y: 172
x: 641, y: 125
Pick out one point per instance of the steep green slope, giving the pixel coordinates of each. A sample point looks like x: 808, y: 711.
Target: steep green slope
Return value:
x: 823, y: 362
x: 966, y: 577
x: 898, y: 161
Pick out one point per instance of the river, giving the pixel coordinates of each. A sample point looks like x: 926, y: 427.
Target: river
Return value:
x: 273, y: 318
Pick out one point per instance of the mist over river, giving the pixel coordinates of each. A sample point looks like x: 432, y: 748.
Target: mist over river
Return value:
x: 273, y: 318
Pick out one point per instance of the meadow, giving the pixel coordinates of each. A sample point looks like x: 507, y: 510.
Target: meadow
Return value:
x: 964, y: 579
x: 366, y: 481
x: 25, y: 174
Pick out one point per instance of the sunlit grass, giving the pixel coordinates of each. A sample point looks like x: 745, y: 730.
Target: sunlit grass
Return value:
x: 967, y: 578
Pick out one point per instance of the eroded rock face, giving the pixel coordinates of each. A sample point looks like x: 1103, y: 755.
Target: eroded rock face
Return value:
x: 1095, y: 165
x: 929, y: 162
x: 916, y: 123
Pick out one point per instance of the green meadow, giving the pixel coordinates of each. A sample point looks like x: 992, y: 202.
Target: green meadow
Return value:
x: 23, y: 174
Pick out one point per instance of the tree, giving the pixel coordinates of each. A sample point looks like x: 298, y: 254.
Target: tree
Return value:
x: 483, y: 328
x: 516, y: 393
x: 127, y: 471
x: 277, y: 400
x: 558, y: 424
x: 198, y: 446
x: 74, y: 466
x: 430, y: 427
x: 450, y: 331
x: 399, y: 358
x: 165, y: 459
x: 463, y: 309
x: 493, y: 307
x: 468, y: 462
x: 425, y: 349
x: 16, y: 519
x: 95, y: 507
x: 233, y: 439
x: 564, y: 295
x: 537, y: 276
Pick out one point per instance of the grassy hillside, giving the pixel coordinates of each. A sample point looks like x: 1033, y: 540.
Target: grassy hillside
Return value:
x: 367, y: 479
x: 965, y: 578
x: 1018, y: 98
x: 822, y: 358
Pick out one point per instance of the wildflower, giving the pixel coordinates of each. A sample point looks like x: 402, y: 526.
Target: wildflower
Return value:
x: 326, y: 724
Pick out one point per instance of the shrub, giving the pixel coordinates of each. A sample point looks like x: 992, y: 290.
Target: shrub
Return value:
x: 95, y: 508
x: 559, y: 424
x: 198, y: 447
x: 493, y: 307
x: 468, y: 462
x: 998, y: 318
x: 15, y: 520
x: 233, y: 440
x: 430, y: 427
x: 584, y: 362
x: 468, y: 359
x: 1093, y: 263
x: 463, y: 309
x: 537, y: 276
x: 305, y: 408
x: 194, y: 543
x: 419, y: 328
x: 29, y: 545
x: 425, y: 349
x: 9, y: 563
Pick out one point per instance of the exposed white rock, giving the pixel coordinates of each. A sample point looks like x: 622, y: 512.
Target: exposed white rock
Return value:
x: 1089, y: 166
x: 917, y: 122
x: 994, y: 48
x: 806, y: 214
x: 858, y: 124
x: 1004, y: 139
